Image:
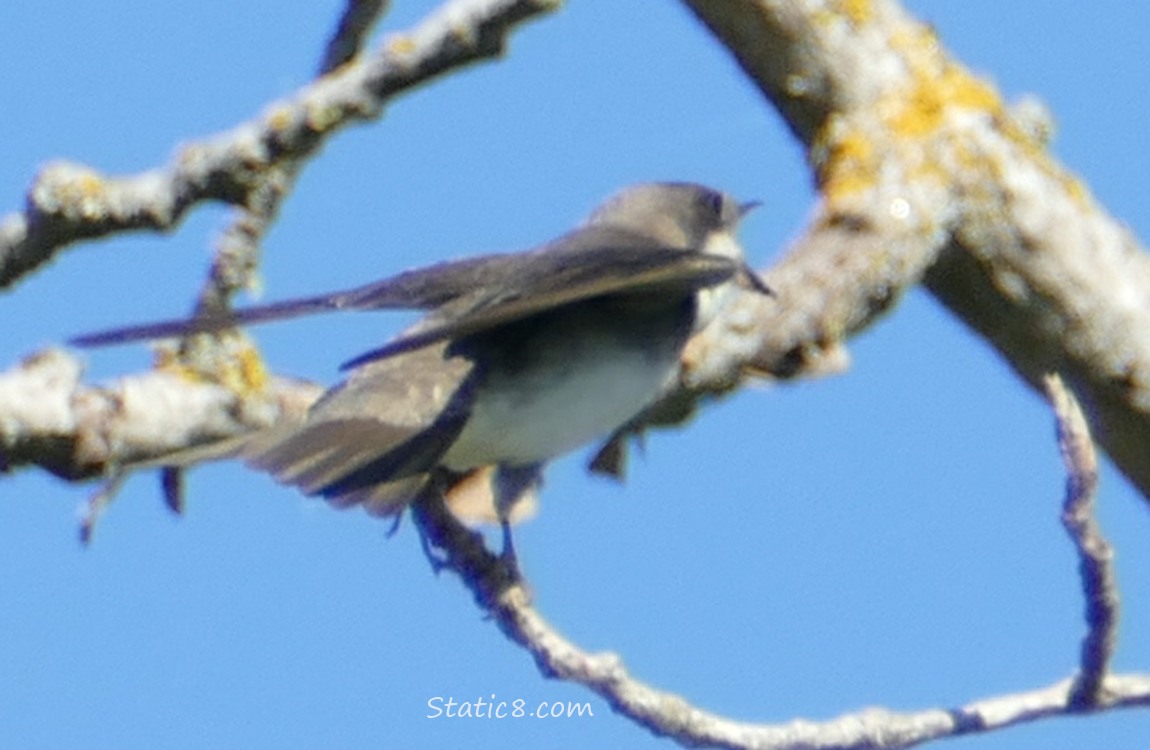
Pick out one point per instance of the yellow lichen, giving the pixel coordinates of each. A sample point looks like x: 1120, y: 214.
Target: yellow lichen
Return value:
x: 279, y: 119
x: 852, y: 158
x: 321, y: 118
x: 240, y: 368
x: 918, y: 130
x: 1077, y: 189
x: 858, y: 11
x: 400, y: 45
x: 164, y: 358
x: 171, y: 364
x: 849, y: 165
x: 253, y: 373
x: 921, y: 110
x: 86, y: 194
x: 464, y: 34
x: 89, y: 184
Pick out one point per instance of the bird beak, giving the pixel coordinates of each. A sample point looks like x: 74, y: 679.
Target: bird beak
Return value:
x: 750, y: 280
x: 746, y: 208
x: 747, y: 277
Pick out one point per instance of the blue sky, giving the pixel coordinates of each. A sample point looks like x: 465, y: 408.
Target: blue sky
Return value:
x: 888, y: 537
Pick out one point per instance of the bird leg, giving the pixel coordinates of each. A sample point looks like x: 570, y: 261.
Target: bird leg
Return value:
x: 512, y: 484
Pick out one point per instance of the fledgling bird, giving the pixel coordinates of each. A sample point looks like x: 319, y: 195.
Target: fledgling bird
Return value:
x: 521, y: 357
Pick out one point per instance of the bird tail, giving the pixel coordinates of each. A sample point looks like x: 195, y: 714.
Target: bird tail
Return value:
x: 471, y: 496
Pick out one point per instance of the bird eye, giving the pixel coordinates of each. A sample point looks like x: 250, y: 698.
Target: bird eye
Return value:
x: 713, y: 202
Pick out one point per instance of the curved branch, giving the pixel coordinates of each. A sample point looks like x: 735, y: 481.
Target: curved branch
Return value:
x: 504, y: 596
x: 926, y: 175
x: 70, y: 202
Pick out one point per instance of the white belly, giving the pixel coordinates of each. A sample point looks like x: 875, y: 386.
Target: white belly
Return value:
x: 546, y: 411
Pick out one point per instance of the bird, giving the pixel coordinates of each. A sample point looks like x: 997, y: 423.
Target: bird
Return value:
x: 520, y: 357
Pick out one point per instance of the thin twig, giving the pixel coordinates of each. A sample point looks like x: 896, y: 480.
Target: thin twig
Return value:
x: 238, y: 249
x: 172, y: 488
x: 97, y: 503
x: 1095, y: 555
x: 359, y: 16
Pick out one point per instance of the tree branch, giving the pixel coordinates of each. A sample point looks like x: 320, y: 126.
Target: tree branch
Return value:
x: 252, y: 166
x: 505, y: 596
x: 926, y: 175
x: 70, y: 202
x: 354, y: 25
x: 48, y: 417
x: 237, y: 251
x: 1096, y: 558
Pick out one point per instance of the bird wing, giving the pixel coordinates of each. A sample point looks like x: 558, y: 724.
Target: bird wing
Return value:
x: 421, y: 288
x: 390, y: 420
x: 475, y: 294
x: 561, y: 280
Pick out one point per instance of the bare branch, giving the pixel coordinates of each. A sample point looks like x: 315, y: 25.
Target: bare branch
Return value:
x: 1096, y: 557
x: 252, y: 166
x: 97, y: 503
x: 452, y: 546
x: 358, y: 18
x: 911, y: 152
x: 505, y: 596
x: 69, y: 202
x: 48, y: 417
x: 927, y: 175
x: 848, y: 93
x: 237, y: 251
